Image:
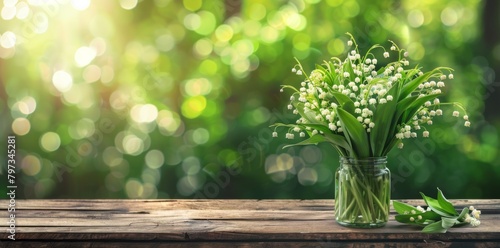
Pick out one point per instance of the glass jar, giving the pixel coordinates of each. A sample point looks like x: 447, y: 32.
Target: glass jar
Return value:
x: 362, y: 192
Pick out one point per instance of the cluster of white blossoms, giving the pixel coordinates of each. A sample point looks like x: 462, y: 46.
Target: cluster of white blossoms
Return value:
x: 359, y: 79
x: 471, y: 218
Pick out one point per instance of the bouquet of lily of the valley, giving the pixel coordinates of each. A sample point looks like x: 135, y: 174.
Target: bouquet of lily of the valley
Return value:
x: 364, y: 110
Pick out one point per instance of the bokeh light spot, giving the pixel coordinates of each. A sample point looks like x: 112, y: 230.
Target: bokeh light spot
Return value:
x: 50, y: 141
x: 91, y: 73
x: 307, y: 176
x: 62, y: 81
x: 134, y: 189
x: 154, y: 159
x: 132, y: 145
x: 27, y: 105
x: 335, y: 47
x: 192, y: 107
x: 84, y: 55
x: 192, y: 5
x: 144, y: 113
x: 296, y: 21
x: 98, y: 44
x: 80, y: 4
x: 244, y: 47
x: 415, y: 18
x: 416, y: 51
x: 198, y: 86
x: 8, y: 40
x: 257, y: 11
x: 269, y: 34
x: 165, y: 42
x: 9, y: 3
x: 128, y: 4
x: 168, y: 122
x: 350, y: 8
x: 191, y: 165
x: 107, y: 74
x: 203, y: 47
x: 112, y: 157
x: 301, y: 41
x: 21, y: 126
x: 188, y: 185
x: 209, y: 67
x: 81, y: 95
x: 278, y: 166
x: 207, y: 23
x: 83, y: 128
x: 201, y: 136
x: 224, y: 33
x: 8, y: 12
x: 23, y: 10
x: 192, y: 21
x: 31, y: 165
x: 449, y: 16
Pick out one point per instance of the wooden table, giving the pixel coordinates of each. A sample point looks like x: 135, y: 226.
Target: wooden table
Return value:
x: 222, y: 223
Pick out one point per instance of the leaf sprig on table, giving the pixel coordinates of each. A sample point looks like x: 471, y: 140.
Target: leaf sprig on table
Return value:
x: 438, y: 217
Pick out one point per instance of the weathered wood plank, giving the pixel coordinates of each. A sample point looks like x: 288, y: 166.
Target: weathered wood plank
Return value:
x: 273, y: 223
x: 145, y: 205
x: 337, y: 244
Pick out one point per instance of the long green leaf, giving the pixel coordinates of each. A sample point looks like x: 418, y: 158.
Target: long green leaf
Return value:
x: 436, y: 227
x: 383, y: 117
x: 435, y: 206
x: 448, y: 222
x: 348, y: 68
x: 310, y: 116
x: 409, y: 87
x: 341, y: 98
x: 314, y: 140
x: 335, y: 139
x: 445, y: 204
x: 403, y: 208
x: 344, y: 101
x: 428, y: 215
x: 407, y: 107
x: 461, y: 217
x: 356, y: 133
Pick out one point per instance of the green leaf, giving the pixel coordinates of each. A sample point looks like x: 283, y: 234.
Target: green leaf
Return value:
x: 335, y: 139
x: 310, y: 116
x: 445, y: 204
x: 435, y: 206
x: 383, y: 117
x: 426, y: 216
x: 355, y: 132
x: 402, y: 208
x: 348, y: 68
x: 409, y: 87
x: 448, y: 222
x: 341, y: 98
x: 328, y: 135
x: 462, y: 215
x: 436, y: 227
x: 314, y: 140
x: 409, y: 106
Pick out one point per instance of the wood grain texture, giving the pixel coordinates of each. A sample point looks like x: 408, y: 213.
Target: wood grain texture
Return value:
x: 222, y: 223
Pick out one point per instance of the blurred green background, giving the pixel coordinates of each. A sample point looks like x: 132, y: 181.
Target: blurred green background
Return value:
x: 173, y: 99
